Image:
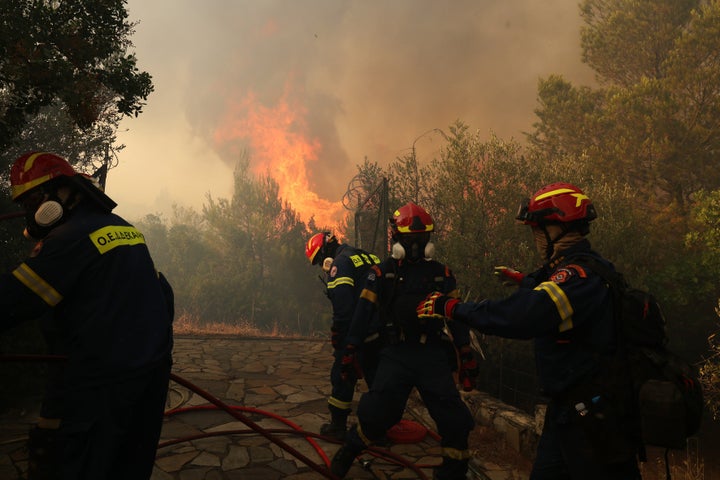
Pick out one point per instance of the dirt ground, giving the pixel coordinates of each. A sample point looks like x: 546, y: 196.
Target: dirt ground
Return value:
x: 488, y: 445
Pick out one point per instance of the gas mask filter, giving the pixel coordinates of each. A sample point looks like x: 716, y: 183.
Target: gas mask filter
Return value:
x: 49, y: 213
x: 414, y: 250
x: 44, y: 219
x: 327, y: 263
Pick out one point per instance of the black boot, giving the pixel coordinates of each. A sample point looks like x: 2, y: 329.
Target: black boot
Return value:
x: 334, y: 430
x: 338, y: 423
x: 343, y: 460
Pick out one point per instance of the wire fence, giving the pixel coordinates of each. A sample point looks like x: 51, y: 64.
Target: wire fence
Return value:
x: 508, y: 373
x: 371, y: 215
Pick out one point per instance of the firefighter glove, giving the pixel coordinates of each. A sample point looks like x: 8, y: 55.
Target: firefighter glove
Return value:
x: 350, y: 364
x: 437, y: 305
x: 336, y: 337
x: 468, y: 368
x: 508, y: 276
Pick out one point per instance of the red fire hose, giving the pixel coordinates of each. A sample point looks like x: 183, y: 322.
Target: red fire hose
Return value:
x: 11, y: 215
x: 236, y: 412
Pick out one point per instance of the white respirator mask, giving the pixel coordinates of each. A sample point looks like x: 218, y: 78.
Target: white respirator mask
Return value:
x: 398, y: 251
x: 327, y: 263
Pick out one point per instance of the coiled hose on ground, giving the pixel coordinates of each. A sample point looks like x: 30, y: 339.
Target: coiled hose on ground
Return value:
x: 238, y: 413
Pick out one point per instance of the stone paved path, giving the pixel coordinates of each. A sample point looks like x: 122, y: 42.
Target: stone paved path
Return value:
x: 275, y: 392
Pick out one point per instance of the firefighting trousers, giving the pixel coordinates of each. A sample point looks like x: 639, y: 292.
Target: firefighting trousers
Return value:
x: 425, y: 367
x: 340, y: 401
x: 111, y: 431
x: 564, y: 452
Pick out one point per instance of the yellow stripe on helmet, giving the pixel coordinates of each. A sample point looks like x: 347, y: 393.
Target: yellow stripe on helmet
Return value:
x: 17, y: 190
x: 552, y: 193
x: 579, y: 196
x: 428, y: 228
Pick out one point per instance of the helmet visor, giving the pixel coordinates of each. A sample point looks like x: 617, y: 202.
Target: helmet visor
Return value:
x: 523, y: 213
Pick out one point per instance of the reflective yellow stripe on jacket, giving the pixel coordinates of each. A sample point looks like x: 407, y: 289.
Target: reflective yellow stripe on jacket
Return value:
x: 561, y: 302
x: 341, y: 281
x: 35, y: 283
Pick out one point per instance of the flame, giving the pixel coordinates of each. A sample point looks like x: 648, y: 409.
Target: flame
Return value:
x: 280, y: 147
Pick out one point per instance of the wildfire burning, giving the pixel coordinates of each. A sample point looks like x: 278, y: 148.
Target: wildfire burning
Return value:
x: 277, y: 137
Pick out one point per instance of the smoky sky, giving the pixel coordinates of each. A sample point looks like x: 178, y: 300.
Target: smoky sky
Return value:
x: 372, y: 76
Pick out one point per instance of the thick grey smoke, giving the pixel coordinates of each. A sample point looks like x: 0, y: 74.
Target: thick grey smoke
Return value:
x: 372, y: 75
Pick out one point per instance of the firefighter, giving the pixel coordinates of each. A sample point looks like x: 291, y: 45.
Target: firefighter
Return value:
x: 417, y: 353
x: 567, y: 309
x: 90, y: 275
x: 345, y: 268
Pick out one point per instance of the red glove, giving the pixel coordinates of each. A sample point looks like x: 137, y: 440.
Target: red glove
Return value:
x: 508, y: 276
x: 468, y: 368
x: 437, y: 305
x: 335, y: 337
x: 350, y: 364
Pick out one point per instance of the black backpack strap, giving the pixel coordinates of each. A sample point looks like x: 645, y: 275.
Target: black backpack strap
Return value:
x: 612, y: 277
x: 388, y: 328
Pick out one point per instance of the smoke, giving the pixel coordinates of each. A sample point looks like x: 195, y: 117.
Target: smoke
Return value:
x: 363, y: 79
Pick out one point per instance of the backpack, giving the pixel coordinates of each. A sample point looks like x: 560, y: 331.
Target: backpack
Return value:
x: 667, y: 395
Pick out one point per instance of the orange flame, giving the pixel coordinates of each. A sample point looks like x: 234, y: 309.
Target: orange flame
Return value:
x: 277, y: 138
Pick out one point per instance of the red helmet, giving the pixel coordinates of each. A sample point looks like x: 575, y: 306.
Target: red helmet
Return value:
x: 411, y: 218
x: 36, y: 168
x: 557, y: 203
x: 318, y: 246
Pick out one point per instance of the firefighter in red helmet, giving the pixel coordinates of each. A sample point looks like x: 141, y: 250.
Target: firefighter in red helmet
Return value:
x: 417, y: 353
x: 567, y: 308
x: 91, y: 275
x: 345, y: 270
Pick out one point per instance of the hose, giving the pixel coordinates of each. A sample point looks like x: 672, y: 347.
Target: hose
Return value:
x: 255, y: 427
x: 287, y: 422
x: 295, y: 430
x: 236, y: 412
x: 11, y: 215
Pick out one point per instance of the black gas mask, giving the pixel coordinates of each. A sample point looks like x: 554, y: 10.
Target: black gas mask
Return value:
x: 413, y: 246
x: 44, y: 210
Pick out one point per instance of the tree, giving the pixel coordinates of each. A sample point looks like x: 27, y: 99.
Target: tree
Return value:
x: 51, y: 129
x: 261, y: 243
x: 710, y: 373
x: 626, y: 41
x: 72, y: 52
x: 566, y: 123
x: 655, y: 120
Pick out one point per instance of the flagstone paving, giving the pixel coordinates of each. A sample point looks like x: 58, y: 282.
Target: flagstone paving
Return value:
x: 249, y: 409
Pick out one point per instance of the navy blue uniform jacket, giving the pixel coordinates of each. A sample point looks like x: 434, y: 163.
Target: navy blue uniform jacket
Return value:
x: 96, y: 274
x: 394, y: 288
x: 565, y: 307
x: 346, y: 279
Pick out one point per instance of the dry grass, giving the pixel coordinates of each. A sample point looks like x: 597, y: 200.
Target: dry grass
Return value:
x: 685, y: 464
x: 489, y: 446
x: 190, y: 325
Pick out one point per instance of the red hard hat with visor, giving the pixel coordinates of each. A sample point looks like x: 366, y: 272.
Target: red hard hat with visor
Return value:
x: 557, y: 203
